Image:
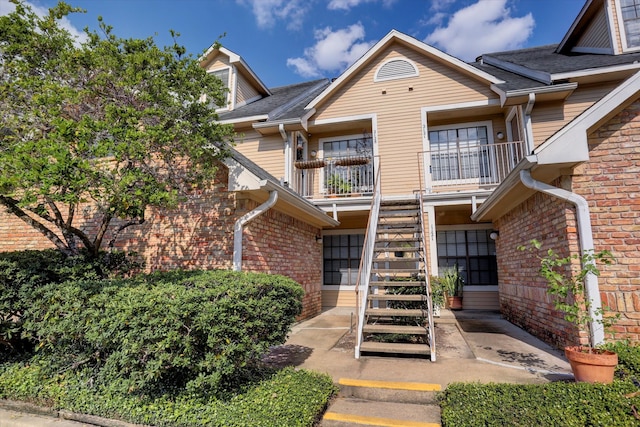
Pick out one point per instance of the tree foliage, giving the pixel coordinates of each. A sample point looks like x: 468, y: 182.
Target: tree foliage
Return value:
x: 116, y: 124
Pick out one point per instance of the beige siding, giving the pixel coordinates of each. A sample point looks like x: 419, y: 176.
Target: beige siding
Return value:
x: 397, y: 105
x: 266, y: 151
x: 217, y: 62
x: 481, y: 300
x: 339, y: 298
x: 244, y: 90
x: 548, y: 118
x: 597, y: 34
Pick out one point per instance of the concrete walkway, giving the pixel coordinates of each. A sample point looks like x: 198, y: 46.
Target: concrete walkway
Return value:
x: 471, y: 346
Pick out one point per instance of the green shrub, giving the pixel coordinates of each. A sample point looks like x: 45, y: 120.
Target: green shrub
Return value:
x: 284, y: 398
x: 194, y: 330
x: 552, y: 404
x: 628, y: 359
x: 23, y: 272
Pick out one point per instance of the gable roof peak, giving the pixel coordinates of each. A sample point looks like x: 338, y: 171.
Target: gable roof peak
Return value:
x: 397, y: 36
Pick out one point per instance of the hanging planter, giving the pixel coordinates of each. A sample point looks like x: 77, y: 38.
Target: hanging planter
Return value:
x: 310, y: 164
x: 353, y: 161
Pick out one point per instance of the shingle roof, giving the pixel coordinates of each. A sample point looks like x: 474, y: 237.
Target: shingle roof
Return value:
x: 545, y: 59
x: 292, y: 97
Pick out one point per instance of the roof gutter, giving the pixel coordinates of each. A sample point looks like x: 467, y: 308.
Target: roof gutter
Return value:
x: 585, y: 237
x: 240, y: 223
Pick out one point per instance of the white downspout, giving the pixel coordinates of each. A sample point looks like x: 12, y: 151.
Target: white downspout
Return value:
x: 288, y: 155
x: 238, y: 226
x: 528, y: 128
x: 585, y: 236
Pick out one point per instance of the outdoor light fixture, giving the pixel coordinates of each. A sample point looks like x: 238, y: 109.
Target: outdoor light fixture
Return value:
x: 314, y: 153
x: 500, y: 135
x: 318, y: 239
x: 494, y: 235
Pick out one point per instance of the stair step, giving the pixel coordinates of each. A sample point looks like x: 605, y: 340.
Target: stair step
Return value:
x: 395, y: 312
x: 395, y: 329
x: 397, y: 297
x: 389, y: 391
x: 396, y: 283
x: 388, y: 271
x: 397, y: 259
x: 398, y: 230
x: 352, y: 411
x: 399, y: 348
x: 403, y: 207
x: 399, y: 239
x: 399, y: 213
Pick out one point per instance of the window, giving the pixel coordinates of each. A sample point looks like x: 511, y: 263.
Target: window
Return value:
x: 223, y: 75
x: 395, y: 69
x: 349, y: 165
x: 630, y: 14
x: 460, y: 154
x: 341, y: 255
x: 472, y: 251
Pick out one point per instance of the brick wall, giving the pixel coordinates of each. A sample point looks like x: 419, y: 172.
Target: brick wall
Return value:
x: 278, y: 243
x: 199, y: 234
x: 610, y: 181
x: 523, y: 293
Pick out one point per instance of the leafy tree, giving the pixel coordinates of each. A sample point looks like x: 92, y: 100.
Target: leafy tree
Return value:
x: 117, y: 125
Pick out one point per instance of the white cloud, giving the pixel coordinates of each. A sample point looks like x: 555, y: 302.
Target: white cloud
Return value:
x: 267, y: 12
x: 6, y: 7
x: 486, y: 26
x: 348, y: 4
x: 333, y: 51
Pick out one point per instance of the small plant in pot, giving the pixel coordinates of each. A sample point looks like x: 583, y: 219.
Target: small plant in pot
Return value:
x: 437, y: 295
x: 452, y: 284
x: 566, y: 279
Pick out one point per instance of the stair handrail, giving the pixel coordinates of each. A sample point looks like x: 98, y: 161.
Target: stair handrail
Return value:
x: 427, y: 281
x: 366, y: 261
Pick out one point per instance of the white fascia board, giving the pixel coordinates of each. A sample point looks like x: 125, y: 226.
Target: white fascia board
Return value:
x: 541, y: 76
x: 246, y: 119
x: 395, y: 34
x: 343, y: 119
x: 569, y: 144
x: 304, y: 120
x: 291, y: 198
x: 275, y: 123
x: 504, y: 95
x: 594, y: 71
x: 234, y: 58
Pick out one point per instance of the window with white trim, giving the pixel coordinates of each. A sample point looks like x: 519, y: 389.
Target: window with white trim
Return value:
x: 224, y: 75
x: 473, y: 252
x: 629, y: 11
x: 461, y: 154
x: 341, y: 255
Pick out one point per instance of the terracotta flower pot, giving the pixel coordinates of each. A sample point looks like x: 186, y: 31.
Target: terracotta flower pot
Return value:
x: 591, y: 365
x: 454, y: 303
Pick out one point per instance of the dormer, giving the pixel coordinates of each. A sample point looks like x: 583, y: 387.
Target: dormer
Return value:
x: 610, y: 27
x: 244, y: 86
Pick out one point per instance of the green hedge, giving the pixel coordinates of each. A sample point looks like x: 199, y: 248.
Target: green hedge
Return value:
x: 554, y: 404
x: 199, y: 330
x: 284, y: 398
x: 24, y: 271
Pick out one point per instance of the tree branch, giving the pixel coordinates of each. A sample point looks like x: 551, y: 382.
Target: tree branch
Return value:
x: 12, y: 206
x: 112, y: 242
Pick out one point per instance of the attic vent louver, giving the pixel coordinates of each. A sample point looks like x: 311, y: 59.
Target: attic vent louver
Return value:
x: 396, y: 69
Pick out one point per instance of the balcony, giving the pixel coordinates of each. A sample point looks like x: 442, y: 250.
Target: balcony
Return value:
x: 468, y: 165
x: 347, y: 176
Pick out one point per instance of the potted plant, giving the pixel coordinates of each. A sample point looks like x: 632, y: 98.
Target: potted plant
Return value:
x: 452, y: 284
x: 566, y: 278
x: 337, y: 185
x: 437, y: 295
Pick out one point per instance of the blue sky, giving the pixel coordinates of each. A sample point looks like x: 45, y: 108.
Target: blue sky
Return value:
x: 289, y: 41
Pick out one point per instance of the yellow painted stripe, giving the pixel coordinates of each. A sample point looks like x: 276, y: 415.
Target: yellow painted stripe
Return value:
x: 396, y: 385
x: 375, y: 421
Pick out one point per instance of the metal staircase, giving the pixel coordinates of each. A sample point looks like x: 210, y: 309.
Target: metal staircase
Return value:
x: 396, y: 310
